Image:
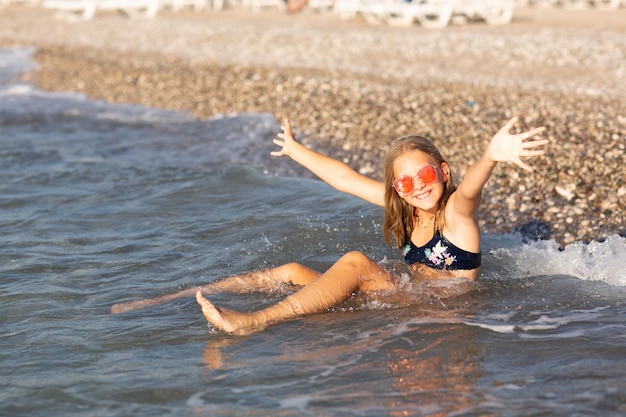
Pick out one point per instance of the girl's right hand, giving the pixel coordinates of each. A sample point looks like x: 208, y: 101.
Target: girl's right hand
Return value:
x: 286, y: 141
x: 335, y: 173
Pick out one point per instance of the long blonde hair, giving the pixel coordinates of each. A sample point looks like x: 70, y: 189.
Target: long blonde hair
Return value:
x: 399, y: 215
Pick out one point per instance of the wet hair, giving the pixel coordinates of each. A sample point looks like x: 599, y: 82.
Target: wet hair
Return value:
x: 399, y: 215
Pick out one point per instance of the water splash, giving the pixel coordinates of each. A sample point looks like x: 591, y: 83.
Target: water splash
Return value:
x: 596, y: 261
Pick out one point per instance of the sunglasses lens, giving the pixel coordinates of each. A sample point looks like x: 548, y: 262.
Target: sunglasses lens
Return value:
x: 403, y: 185
x: 427, y: 174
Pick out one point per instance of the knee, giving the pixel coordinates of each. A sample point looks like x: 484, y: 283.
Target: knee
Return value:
x: 291, y: 268
x: 356, y: 258
x: 370, y: 276
x: 295, y: 273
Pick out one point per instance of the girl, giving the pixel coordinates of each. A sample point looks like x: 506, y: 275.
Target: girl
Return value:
x: 426, y: 216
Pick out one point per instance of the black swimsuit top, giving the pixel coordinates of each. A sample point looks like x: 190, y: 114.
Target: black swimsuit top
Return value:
x: 439, y: 253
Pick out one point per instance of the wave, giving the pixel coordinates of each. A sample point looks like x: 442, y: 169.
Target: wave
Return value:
x: 596, y: 261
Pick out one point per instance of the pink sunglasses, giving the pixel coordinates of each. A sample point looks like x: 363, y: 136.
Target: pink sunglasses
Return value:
x: 405, y: 184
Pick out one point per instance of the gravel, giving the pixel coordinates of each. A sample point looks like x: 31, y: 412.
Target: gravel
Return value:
x: 350, y: 88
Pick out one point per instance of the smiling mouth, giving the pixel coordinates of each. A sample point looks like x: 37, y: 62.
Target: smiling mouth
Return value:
x: 422, y: 194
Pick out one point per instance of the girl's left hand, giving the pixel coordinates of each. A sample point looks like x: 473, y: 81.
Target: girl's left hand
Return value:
x: 286, y: 141
x: 506, y: 147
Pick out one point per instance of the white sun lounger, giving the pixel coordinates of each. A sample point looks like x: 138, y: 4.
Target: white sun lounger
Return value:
x: 494, y: 12
x: 608, y: 5
x: 85, y: 9
x: 4, y: 3
x: 430, y: 14
x: 605, y: 5
x: 177, y: 5
x: 258, y: 5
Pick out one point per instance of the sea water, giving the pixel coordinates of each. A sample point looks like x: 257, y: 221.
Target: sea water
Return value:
x: 105, y: 203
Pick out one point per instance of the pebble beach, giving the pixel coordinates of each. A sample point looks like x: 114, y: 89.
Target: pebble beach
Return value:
x: 350, y: 88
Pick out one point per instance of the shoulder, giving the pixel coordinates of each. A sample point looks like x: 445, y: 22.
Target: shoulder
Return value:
x: 457, y: 209
x: 461, y: 228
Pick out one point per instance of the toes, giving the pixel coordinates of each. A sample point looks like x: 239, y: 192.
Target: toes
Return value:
x: 211, y: 313
x: 206, y: 304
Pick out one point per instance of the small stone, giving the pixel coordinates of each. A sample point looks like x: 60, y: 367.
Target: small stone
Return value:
x: 566, y: 191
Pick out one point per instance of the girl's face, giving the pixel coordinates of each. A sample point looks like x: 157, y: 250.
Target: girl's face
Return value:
x: 427, y: 188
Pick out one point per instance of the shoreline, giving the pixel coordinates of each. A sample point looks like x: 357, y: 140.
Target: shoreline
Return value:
x: 351, y: 100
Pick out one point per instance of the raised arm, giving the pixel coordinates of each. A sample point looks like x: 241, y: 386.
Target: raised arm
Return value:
x: 504, y: 147
x: 335, y: 173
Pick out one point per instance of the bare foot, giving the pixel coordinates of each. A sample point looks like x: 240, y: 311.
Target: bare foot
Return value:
x: 227, y: 320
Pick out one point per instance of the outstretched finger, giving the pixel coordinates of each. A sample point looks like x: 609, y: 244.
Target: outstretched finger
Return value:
x: 280, y: 152
x: 536, y: 143
x: 509, y: 124
x: 532, y: 132
x: 523, y: 165
x: 286, y: 127
x: 533, y: 153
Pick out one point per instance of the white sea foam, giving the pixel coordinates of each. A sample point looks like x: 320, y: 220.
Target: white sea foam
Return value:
x: 17, y: 90
x: 299, y: 403
x: 541, y: 327
x: 597, y: 261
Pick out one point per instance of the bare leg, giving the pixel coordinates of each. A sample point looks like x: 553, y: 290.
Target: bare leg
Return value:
x: 354, y: 271
x: 139, y: 304
x: 292, y: 273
